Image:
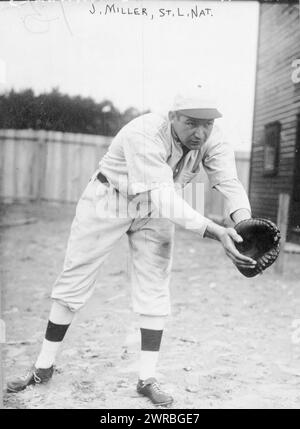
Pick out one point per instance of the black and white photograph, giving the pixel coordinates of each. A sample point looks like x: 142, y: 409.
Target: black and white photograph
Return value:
x: 149, y: 206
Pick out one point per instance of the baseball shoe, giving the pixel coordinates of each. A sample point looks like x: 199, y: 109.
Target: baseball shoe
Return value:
x: 34, y: 376
x: 152, y: 390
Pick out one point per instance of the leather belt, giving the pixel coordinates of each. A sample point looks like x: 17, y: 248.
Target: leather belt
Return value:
x: 101, y: 178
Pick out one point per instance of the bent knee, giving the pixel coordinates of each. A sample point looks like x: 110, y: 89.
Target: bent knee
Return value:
x: 74, y: 307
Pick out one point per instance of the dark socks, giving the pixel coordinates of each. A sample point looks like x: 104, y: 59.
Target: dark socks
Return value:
x: 55, y: 332
x: 150, y: 339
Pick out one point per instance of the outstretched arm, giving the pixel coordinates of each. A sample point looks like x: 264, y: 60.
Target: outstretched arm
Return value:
x: 236, y: 199
x: 170, y: 205
x: 219, y: 164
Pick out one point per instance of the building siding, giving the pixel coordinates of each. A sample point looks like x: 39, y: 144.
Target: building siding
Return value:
x: 277, y: 98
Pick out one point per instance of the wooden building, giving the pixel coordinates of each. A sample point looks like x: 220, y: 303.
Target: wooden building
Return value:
x: 275, y: 157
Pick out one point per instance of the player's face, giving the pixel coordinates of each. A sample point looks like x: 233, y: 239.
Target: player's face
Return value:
x: 191, y: 132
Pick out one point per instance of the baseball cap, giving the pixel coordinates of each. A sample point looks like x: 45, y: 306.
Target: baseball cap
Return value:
x: 197, y: 102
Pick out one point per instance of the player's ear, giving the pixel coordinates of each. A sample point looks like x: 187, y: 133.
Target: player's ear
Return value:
x: 172, y: 116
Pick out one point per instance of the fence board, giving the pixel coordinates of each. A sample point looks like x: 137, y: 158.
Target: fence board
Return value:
x: 74, y: 153
x: 65, y: 167
x: 23, y: 163
x: 49, y: 173
x: 41, y: 158
x: 8, y: 191
x: 56, y: 188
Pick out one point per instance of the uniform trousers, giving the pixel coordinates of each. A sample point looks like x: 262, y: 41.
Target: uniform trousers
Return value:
x: 103, y: 216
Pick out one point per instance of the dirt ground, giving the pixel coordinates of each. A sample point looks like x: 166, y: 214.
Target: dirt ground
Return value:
x: 231, y: 342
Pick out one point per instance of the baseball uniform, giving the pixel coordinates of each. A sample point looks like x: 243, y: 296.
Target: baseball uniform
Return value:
x: 144, y: 156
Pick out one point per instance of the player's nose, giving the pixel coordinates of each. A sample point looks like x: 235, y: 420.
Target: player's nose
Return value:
x: 200, y: 133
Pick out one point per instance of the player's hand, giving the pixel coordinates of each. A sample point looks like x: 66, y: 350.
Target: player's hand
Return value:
x: 227, y: 237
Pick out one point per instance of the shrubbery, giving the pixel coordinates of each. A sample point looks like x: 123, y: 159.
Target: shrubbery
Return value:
x: 60, y: 112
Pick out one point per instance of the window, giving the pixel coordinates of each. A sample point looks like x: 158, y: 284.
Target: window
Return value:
x: 272, y: 146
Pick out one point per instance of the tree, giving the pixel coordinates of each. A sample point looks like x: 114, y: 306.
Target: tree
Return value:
x: 61, y: 112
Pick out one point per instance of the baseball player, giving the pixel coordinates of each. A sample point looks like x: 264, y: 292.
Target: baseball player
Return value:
x: 144, y: 164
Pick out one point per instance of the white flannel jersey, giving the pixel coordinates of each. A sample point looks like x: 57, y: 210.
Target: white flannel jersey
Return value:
x: 144, y: 156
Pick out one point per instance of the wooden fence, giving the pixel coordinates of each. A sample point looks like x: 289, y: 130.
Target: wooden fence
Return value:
x: 47, y: 165
x: 56, y: 166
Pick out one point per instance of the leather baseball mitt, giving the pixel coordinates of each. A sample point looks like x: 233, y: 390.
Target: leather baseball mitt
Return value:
x: 261, y: 243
